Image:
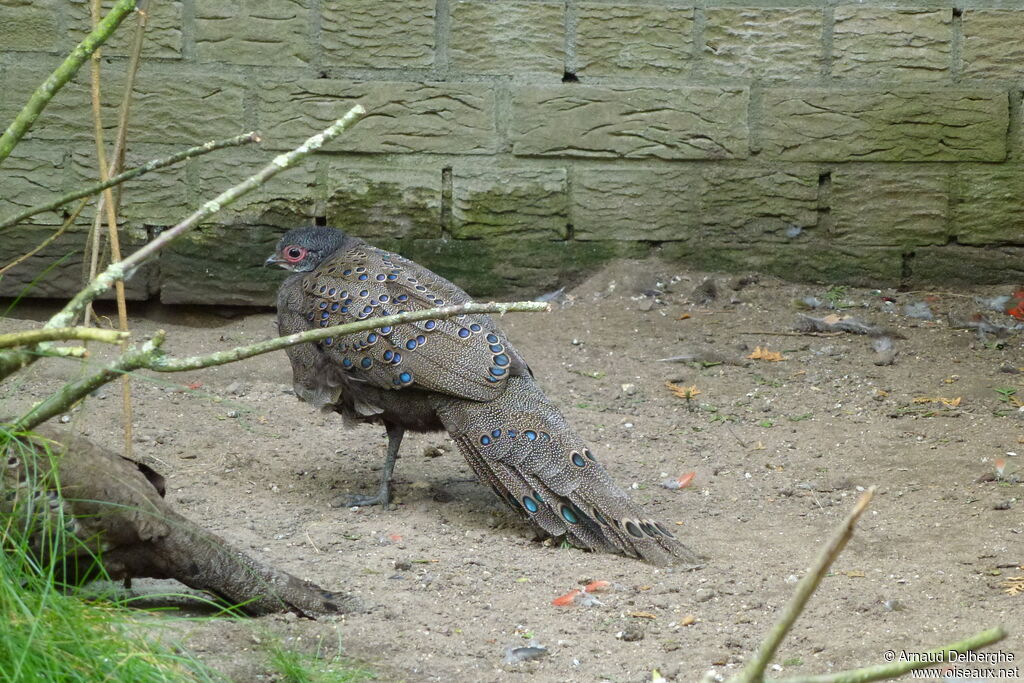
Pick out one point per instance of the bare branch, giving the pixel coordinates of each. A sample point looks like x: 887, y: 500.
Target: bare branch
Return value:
x: 121, y: 269
x: 67, y: 69
x: 151, y: 165
x: 151, y: 357
x: 13, y: 360
x: 754, y: 671
x: 30, y: 337
x: 897, y: 668
x: 242, y: 352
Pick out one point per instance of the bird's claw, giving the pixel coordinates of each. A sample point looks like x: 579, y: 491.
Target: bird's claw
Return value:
x: 381, y: 498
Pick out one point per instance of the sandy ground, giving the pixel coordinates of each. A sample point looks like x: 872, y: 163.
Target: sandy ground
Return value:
x: 780, y: 450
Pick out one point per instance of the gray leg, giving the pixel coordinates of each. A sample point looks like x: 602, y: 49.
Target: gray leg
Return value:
x: 383, y: 495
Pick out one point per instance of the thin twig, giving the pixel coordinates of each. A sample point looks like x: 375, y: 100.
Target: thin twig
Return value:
x: 14, y: 360
x: 63, y: 73
x: 29, y: 337
x: 152, y: 165
x: 242, y: 352
x: 68, y: 222
x: 107, y: 204
x: 72, y: 392
x: 151, y: 357
x: 123, y: 269
x: 898, y: 668
x: 790, y: 334
x: 753, y: 672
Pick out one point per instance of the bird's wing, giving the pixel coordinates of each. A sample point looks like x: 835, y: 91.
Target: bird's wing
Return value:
x: 467, y: 356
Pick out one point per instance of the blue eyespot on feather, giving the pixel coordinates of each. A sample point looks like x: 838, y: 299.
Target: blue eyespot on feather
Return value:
x: 463, y: 333
x: 492, y: 339
x: 475, y: 327
x: 578, y: 460
x: 386, y: 329
x: 405, y: 377
x: 530, y: 504
x: 388, y: 355
x: 568, y: 515
x: 530, y: 435
x: 345, y: 362
x: 496, y: 433
x: 411, y: 344
x: 501, y: 360
x: 429, y: 325
x: 366, y: 363
x: 485, y: 440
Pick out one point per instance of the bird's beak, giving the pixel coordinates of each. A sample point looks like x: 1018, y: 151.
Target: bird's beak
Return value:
x: 273, y: 259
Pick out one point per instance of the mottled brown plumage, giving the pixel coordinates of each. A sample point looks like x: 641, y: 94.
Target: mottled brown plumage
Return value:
x: 118, y: 524
x: 459, y: 375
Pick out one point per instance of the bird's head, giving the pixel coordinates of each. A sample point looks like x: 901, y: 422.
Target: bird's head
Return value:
x: 303, y: 249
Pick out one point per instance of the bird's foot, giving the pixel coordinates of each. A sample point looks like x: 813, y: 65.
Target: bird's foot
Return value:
x: 382, y: 498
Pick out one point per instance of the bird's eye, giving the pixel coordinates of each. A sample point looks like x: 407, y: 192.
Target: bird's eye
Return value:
x: 294, y: 253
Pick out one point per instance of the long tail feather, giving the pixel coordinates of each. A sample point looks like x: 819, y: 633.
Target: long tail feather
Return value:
x: 523, y: 448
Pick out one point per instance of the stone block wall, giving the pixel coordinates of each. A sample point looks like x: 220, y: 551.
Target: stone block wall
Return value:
x: 513, y: 144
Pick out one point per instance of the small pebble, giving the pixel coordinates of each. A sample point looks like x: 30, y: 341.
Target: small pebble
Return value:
x: 630, y: 634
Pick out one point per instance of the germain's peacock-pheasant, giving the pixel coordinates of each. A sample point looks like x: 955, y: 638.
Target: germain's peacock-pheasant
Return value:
x: 460, y: 375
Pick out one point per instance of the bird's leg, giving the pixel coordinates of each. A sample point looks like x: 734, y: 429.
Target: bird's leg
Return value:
x: 383, y: 495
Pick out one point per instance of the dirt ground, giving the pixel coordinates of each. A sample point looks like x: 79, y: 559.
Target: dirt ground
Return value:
x: 780, y: 450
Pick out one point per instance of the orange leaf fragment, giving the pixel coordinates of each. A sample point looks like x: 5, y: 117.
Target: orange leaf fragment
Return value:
x: 688, y: 620
x: 643, y: 615
x: 764, y: 354
x: 567, y: 599
x: 682, y: 392
x: 597, y: 586
x: 1016, y: 305
x: 1000, y: 464
x: 395, y: 537
x: 686, y: 479
x: 684, y: 316
x: 194, y: 385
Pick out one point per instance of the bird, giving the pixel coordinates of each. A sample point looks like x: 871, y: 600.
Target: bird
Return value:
x: 107, y: 518
x: 460, y: 375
